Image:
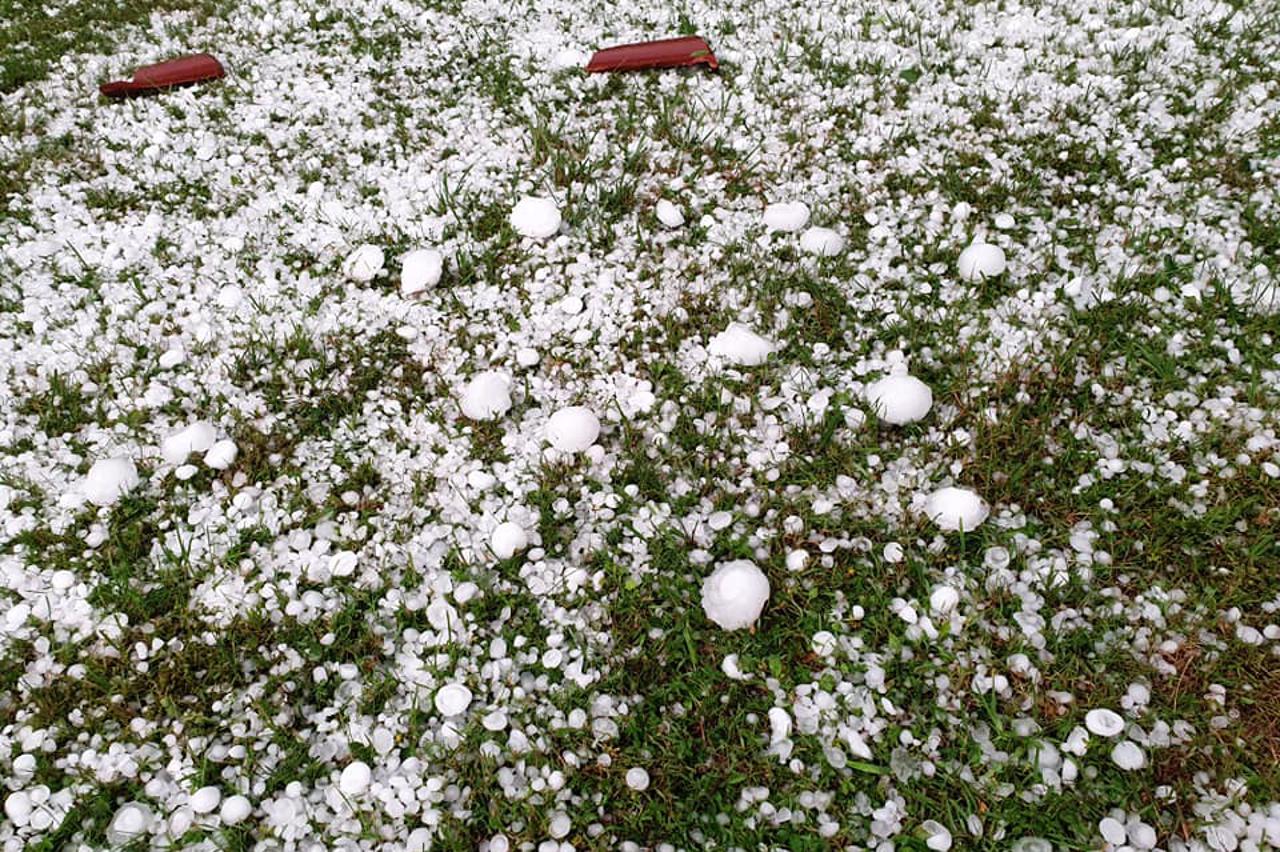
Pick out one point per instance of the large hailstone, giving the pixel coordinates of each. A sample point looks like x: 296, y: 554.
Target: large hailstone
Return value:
x: 1103, y: 722
x: 734, y: 595
x: 738, y: 344
x: 823, y: 242
x: 420, y: 270
x: 487, y: 396
x: 199, y: 437
x: 900, y: 399
x: 355, y: 778
x: 452, y: 699
x: 363, y: 264
x: 537, y: 218
x: 1128, y: 755
x: 787, y: 216
x: 573, y: 429
x: 981, y: 260
x: 669, y: 214
x: 131, y: 822
x: 109, y: 480
x: 508, y: 539
x: 956, y: 509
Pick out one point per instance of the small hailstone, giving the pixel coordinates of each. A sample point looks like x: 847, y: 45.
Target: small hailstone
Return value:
x: 560, y: 825
x: 420, y: 270
x: 1104, y: 722
x: 1128, y: 755
x: 821, y: 241
x: 779, y: 725
x: 1142, y: 836
x: 734, y: 595
x: 669, y: 214
x: 797, y: 560
x: 899, y: 399
x: 499, y: 843
x: 199, y: 437
x: 537, y: 218
x: 527, y: 356
x: 786, y: 216
x: 573, y: 429
x: 355, y: 778
x: 221, y: 455
x: 729, y: 665
x: 132, y: 821
x: 452, y: 699
x: 186, y: 471
x: 944, y: 600
x: 981, y: 260
x: 487, y: 396
x: 363, y: 264
x: 419, y: 840
x: 234, y: 809
x: 1003, y: 221
x: 893, y: 553
x: 738, y: 344
x: 939, y: 836
x: 1113, y: 831
x: 204, y: 800
x: 638, y: 778
x: 508, y: 539
x: 110, y: 479
x: 956, y: 508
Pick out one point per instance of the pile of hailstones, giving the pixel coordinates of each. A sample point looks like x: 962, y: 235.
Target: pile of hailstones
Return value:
x: 735, y: 593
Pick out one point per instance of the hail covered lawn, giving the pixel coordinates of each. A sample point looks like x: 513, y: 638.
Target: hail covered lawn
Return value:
x: 412, y: 442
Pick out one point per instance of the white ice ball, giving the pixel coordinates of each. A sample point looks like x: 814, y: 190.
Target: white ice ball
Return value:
x: 739, y: 345
x: 734, y: 595
x: 131, y: 822
x: 537, y: 218
x: 363, y: 264
x: 787, y: 216
x: 1128, y: 755
x: 355, y: 778
x: 110, y: 479
x: 452, y: 699
x: 420, y: 270
x: 508, y: 539
x: 900, y: 399
x: 1103, y: 722
x: 638, y: 778
x: 573, y: 429
x: 198, y: 437
x: 669, y: 214
x: 204, y: 800
x: 821, y: 241
x: 487, y: 396
x: 235, y: 809
x: 943, y: 600
x: 221, y: 455
x: 981, y: 260
x: 955, y: 509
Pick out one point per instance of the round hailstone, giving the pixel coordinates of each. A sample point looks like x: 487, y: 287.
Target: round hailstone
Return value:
x: 221, y: 455
x: 537, y: 218
x: 638, y: 779
x: 204, y: 800
x: 420, y: 270
x: 938, y: 835
x: 17, y: 807
x: 508, y: 539
x: 981, y: 260
x: 452, y: 699
x: 419, y: 840
x: 734, y: 594
x: 560, y: 825
x: 900, y: 399
x: 196, y: 438
x: 738, y: 344
x: 573, y: 429
x: 787, y: 216
x: 669, y: 214
x: 131, y: 822
x: 943, y: 600
x: 1104, y: 722
x: 1128, y: 755
x: 1113, y: 831
x: 363, y: 264
x: 779, y: 725
x: 487, y: 396
x: 110, y: 479
x: 821, y: 241
x: 355, y: 778
x: 1004, y: 221
x: 234, y: 810
x: 956, y: 509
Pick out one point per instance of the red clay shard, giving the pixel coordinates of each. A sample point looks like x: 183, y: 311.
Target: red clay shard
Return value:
x: 182, y: 71
x: 667, y: 53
